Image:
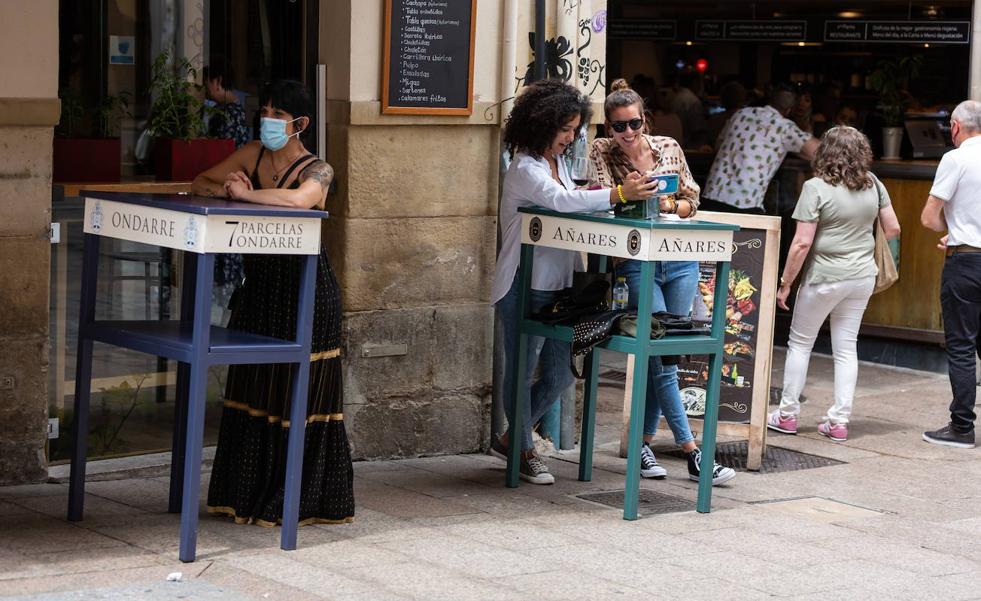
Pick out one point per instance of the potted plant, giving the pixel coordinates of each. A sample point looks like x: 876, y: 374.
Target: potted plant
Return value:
x: 92, y: 158
x: 890, y: 79
x: 181, y: 151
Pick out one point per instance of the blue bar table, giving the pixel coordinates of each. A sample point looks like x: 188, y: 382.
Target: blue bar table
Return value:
x: 647, y: 240
x: 201, y: 227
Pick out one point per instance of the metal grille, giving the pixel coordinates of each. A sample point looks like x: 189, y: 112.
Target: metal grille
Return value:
x: 649, y: 502
x: 777, y: 459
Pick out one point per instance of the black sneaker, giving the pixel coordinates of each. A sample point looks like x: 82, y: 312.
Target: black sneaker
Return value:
x: 720, y: 473
x: 949, y: 437
x: 534, y: 470
x: 649, y: 467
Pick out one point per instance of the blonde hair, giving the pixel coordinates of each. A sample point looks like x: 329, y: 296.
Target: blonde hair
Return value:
x: 621, y: 95
x: 844, y: 158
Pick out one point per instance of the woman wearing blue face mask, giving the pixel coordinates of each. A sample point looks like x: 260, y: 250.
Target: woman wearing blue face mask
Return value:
x: 247, y: 479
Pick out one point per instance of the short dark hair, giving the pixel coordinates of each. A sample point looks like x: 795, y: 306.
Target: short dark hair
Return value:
x: 216, y: 70
x: 288, y: 95
x: 539, y: 113
x: 783, y: 97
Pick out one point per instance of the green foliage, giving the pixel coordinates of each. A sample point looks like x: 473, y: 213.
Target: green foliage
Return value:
x: 71, y: 113
x: 117, y: 402
x: 108, y: 113
x: 177, y: 107
x: 891, y: 79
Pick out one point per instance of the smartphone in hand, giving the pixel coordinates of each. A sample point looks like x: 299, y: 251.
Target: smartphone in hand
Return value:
x: 666, y: 184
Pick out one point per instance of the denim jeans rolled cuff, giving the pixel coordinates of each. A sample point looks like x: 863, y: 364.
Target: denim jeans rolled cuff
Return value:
x: 553, y: 356
x: 673, y: 290
x: 960, y: 302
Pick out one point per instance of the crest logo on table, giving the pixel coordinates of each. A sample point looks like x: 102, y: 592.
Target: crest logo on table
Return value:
x: 633, y: 242
x: 535, y: 229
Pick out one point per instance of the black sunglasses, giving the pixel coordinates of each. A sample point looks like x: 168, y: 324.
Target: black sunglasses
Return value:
x: 621, y: 126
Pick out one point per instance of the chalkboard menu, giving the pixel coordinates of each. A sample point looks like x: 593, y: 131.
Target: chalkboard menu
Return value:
x: 429, y: 57
x: 742, y: 344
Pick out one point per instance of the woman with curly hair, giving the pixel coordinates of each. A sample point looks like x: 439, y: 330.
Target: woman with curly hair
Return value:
x: 835, y: 216
x: 544, y: 122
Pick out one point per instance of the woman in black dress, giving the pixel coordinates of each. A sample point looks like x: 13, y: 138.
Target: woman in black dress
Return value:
x: 249, y: 470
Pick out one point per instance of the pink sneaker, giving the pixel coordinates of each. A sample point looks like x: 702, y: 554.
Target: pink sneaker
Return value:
x: 836, y: 432
x: 787, y: 425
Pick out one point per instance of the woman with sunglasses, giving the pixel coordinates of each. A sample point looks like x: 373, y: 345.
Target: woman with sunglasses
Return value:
x: 628, y: 150
x: 544, y: 122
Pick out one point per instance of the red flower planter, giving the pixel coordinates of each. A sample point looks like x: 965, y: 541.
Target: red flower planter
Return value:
x: 86, y: 160
x: 183, y: 160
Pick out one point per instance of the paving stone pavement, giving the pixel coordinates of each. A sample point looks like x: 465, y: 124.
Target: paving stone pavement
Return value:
x: 899, y: 520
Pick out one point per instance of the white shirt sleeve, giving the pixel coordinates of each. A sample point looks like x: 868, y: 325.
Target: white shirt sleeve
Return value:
x: 945, y: 181
x: 536, y: 187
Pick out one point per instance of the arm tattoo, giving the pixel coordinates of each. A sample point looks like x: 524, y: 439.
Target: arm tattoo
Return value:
x: 319, y: 172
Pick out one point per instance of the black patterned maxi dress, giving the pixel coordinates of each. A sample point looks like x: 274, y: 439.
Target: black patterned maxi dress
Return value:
x: 248, y: 477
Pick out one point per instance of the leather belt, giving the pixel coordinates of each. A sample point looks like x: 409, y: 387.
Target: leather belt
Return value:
x: 962, y: 248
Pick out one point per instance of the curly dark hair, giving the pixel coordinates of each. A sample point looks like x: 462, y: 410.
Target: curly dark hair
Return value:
x: 539, y: 113
x: 844, y: 158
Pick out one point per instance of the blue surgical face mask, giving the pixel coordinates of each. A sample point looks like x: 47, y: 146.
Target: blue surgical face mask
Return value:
x: 272, y: 132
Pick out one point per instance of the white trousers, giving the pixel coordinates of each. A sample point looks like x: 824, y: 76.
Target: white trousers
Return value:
x: 845, y: 301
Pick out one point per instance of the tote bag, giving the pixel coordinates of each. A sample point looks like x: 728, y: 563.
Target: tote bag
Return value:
x: 888, y: 275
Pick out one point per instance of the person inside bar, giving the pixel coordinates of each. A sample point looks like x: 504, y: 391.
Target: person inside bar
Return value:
x: 733, y: 96
x: 545, y: 120
x: 248, y: 477
x: 675, y: 282
x: 751, y: 147
x: 687, y: 104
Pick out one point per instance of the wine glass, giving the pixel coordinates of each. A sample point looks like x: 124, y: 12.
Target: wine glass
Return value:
x: 581, y: 170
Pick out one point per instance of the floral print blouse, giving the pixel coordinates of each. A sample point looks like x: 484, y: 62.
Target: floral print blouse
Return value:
x: 612, y: 165
x: 751, y: 147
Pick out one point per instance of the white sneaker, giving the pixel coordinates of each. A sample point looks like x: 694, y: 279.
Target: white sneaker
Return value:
x: 534, y: 470
x: 649, y: 467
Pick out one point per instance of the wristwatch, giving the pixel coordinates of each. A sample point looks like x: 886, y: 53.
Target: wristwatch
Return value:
x: 782, y: 282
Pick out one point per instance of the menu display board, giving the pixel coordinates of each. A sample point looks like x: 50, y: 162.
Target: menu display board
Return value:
x: 914, y: 32
x: 428, y: 56
x: 751, y: 31
x: 741, y: 333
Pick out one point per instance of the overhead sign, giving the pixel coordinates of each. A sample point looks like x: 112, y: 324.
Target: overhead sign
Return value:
x: 913, y: 32
x: 662, y: 30
x: 751, y: 31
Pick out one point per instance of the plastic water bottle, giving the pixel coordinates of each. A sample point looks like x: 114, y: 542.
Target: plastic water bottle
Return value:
x: 621, y: 294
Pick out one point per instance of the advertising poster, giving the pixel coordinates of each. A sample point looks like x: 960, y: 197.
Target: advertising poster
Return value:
x: 742, y: 328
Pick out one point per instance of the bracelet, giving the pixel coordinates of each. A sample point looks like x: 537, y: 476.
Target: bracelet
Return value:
x: 620, y: 194
x: 782, y: 282
x: 674, y: 206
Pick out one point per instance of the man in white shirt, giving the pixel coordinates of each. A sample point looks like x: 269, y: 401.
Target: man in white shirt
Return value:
x: 954, y: 205
x: 751, y: 147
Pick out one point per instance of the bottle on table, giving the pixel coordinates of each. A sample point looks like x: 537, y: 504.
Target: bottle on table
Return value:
x: 621, y: 294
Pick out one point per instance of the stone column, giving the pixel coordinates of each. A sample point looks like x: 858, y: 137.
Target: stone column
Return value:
x: 29, y: 109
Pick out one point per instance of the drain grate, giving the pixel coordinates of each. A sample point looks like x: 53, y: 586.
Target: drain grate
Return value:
x: 649, y: 502
x: 777, y: 459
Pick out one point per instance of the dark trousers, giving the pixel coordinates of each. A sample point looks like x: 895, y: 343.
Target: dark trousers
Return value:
x: 960, y: 300
x: 706, y: 204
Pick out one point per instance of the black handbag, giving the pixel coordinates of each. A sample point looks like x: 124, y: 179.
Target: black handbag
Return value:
x: 590, y: 331
x: 585, y: 297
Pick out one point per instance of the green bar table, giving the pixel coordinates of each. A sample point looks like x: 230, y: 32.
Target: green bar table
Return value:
x: 647, y: 240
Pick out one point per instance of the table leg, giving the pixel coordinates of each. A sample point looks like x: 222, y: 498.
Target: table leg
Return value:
x: 182, y: 393
x: 519, y: 390
x: 83, y: 377
x: 639, y: 392
x: 180, y: 436
x: 589, y: 418
x: 710, y: 422
x: 298, y: 407
x: 198, y: 384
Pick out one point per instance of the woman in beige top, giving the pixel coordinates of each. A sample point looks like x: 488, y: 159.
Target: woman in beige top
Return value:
x: 629, y: 150
x: 835, y: 216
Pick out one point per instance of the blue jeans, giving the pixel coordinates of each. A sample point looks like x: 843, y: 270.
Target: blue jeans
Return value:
x: 552, y: 355
x: 675, y: 284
